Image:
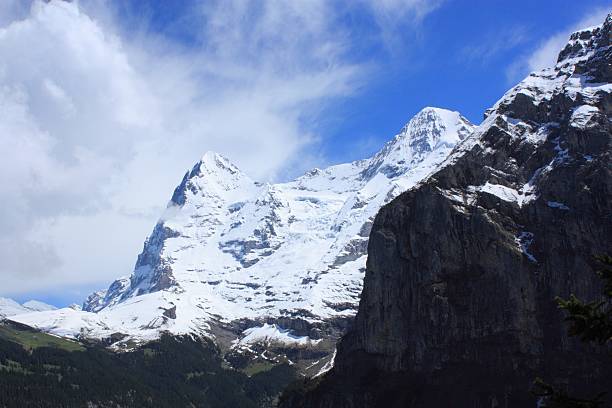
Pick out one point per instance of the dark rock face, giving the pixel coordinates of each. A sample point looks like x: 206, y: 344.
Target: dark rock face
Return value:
x: 458, y: 303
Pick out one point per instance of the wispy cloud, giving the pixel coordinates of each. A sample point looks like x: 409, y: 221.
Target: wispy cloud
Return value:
x: 392, y: 17
x: 99, y: 121
x: 493, y: 45
x: 546, y: 52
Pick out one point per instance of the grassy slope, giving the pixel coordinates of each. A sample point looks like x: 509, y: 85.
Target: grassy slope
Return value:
x: 32, y: 339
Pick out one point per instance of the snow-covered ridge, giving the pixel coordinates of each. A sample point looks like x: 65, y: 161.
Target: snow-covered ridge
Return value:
x: 9, y: 307
x: 571, y: 79
x: 228, y: 248
x: 579, y: 82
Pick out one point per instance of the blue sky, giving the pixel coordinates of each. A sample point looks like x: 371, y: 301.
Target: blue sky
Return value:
x: 462, y: 56
x: 107, y: 103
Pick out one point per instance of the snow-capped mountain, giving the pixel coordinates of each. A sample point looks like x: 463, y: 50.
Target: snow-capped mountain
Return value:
x: 9, y: 307
x: 233, y: 255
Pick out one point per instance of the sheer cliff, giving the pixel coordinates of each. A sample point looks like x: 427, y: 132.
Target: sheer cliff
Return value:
x: 458, y: 302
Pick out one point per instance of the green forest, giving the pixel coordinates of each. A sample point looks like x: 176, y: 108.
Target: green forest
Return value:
x: 39, y: 370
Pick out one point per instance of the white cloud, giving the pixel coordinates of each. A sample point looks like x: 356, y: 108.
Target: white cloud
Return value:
x: 98, y: 123
x: 545, y: 55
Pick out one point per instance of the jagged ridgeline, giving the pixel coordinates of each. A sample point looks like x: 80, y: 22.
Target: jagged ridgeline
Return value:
x: 257, y: 267
x: 458, y: 306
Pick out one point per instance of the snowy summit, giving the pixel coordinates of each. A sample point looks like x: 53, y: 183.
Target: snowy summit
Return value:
x: 230, y: 249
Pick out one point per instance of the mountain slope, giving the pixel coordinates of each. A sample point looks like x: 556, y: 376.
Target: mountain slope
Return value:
x: 231, y: 254
x: 458, y: 301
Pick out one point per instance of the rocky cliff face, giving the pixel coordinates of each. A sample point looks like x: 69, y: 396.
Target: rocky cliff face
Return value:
x: 458, y: 302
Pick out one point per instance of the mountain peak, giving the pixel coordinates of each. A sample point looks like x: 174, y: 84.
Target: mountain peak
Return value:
x: 213, y: 173
x: 428, y: 110
x: 214, y: 168
x: 8, y: 302
x: 213, y: 162
x: 586, y: 41
x: 432, y: 126
x: 38, y: 306
x: 430, y: 129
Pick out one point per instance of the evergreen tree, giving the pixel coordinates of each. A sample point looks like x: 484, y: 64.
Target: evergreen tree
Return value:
x: 592, y: 323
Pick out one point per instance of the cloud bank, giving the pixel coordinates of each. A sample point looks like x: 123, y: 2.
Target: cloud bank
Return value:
x: 98, y: 122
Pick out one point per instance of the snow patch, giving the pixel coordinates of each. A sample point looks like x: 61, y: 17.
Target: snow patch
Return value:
x: 524, y: 240
x: 507, y: 194
x: 328, y: 366
x: 555, y: 204
x: 582, y: 115
x: 272, y: 333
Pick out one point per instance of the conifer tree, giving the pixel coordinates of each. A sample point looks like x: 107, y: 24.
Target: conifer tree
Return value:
x: 592, y: 323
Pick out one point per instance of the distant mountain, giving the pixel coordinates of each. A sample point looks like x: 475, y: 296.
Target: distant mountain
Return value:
x: 253, y: 264
x: 8, y: 307
x: 38, y: 306
x: 458, y: 306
